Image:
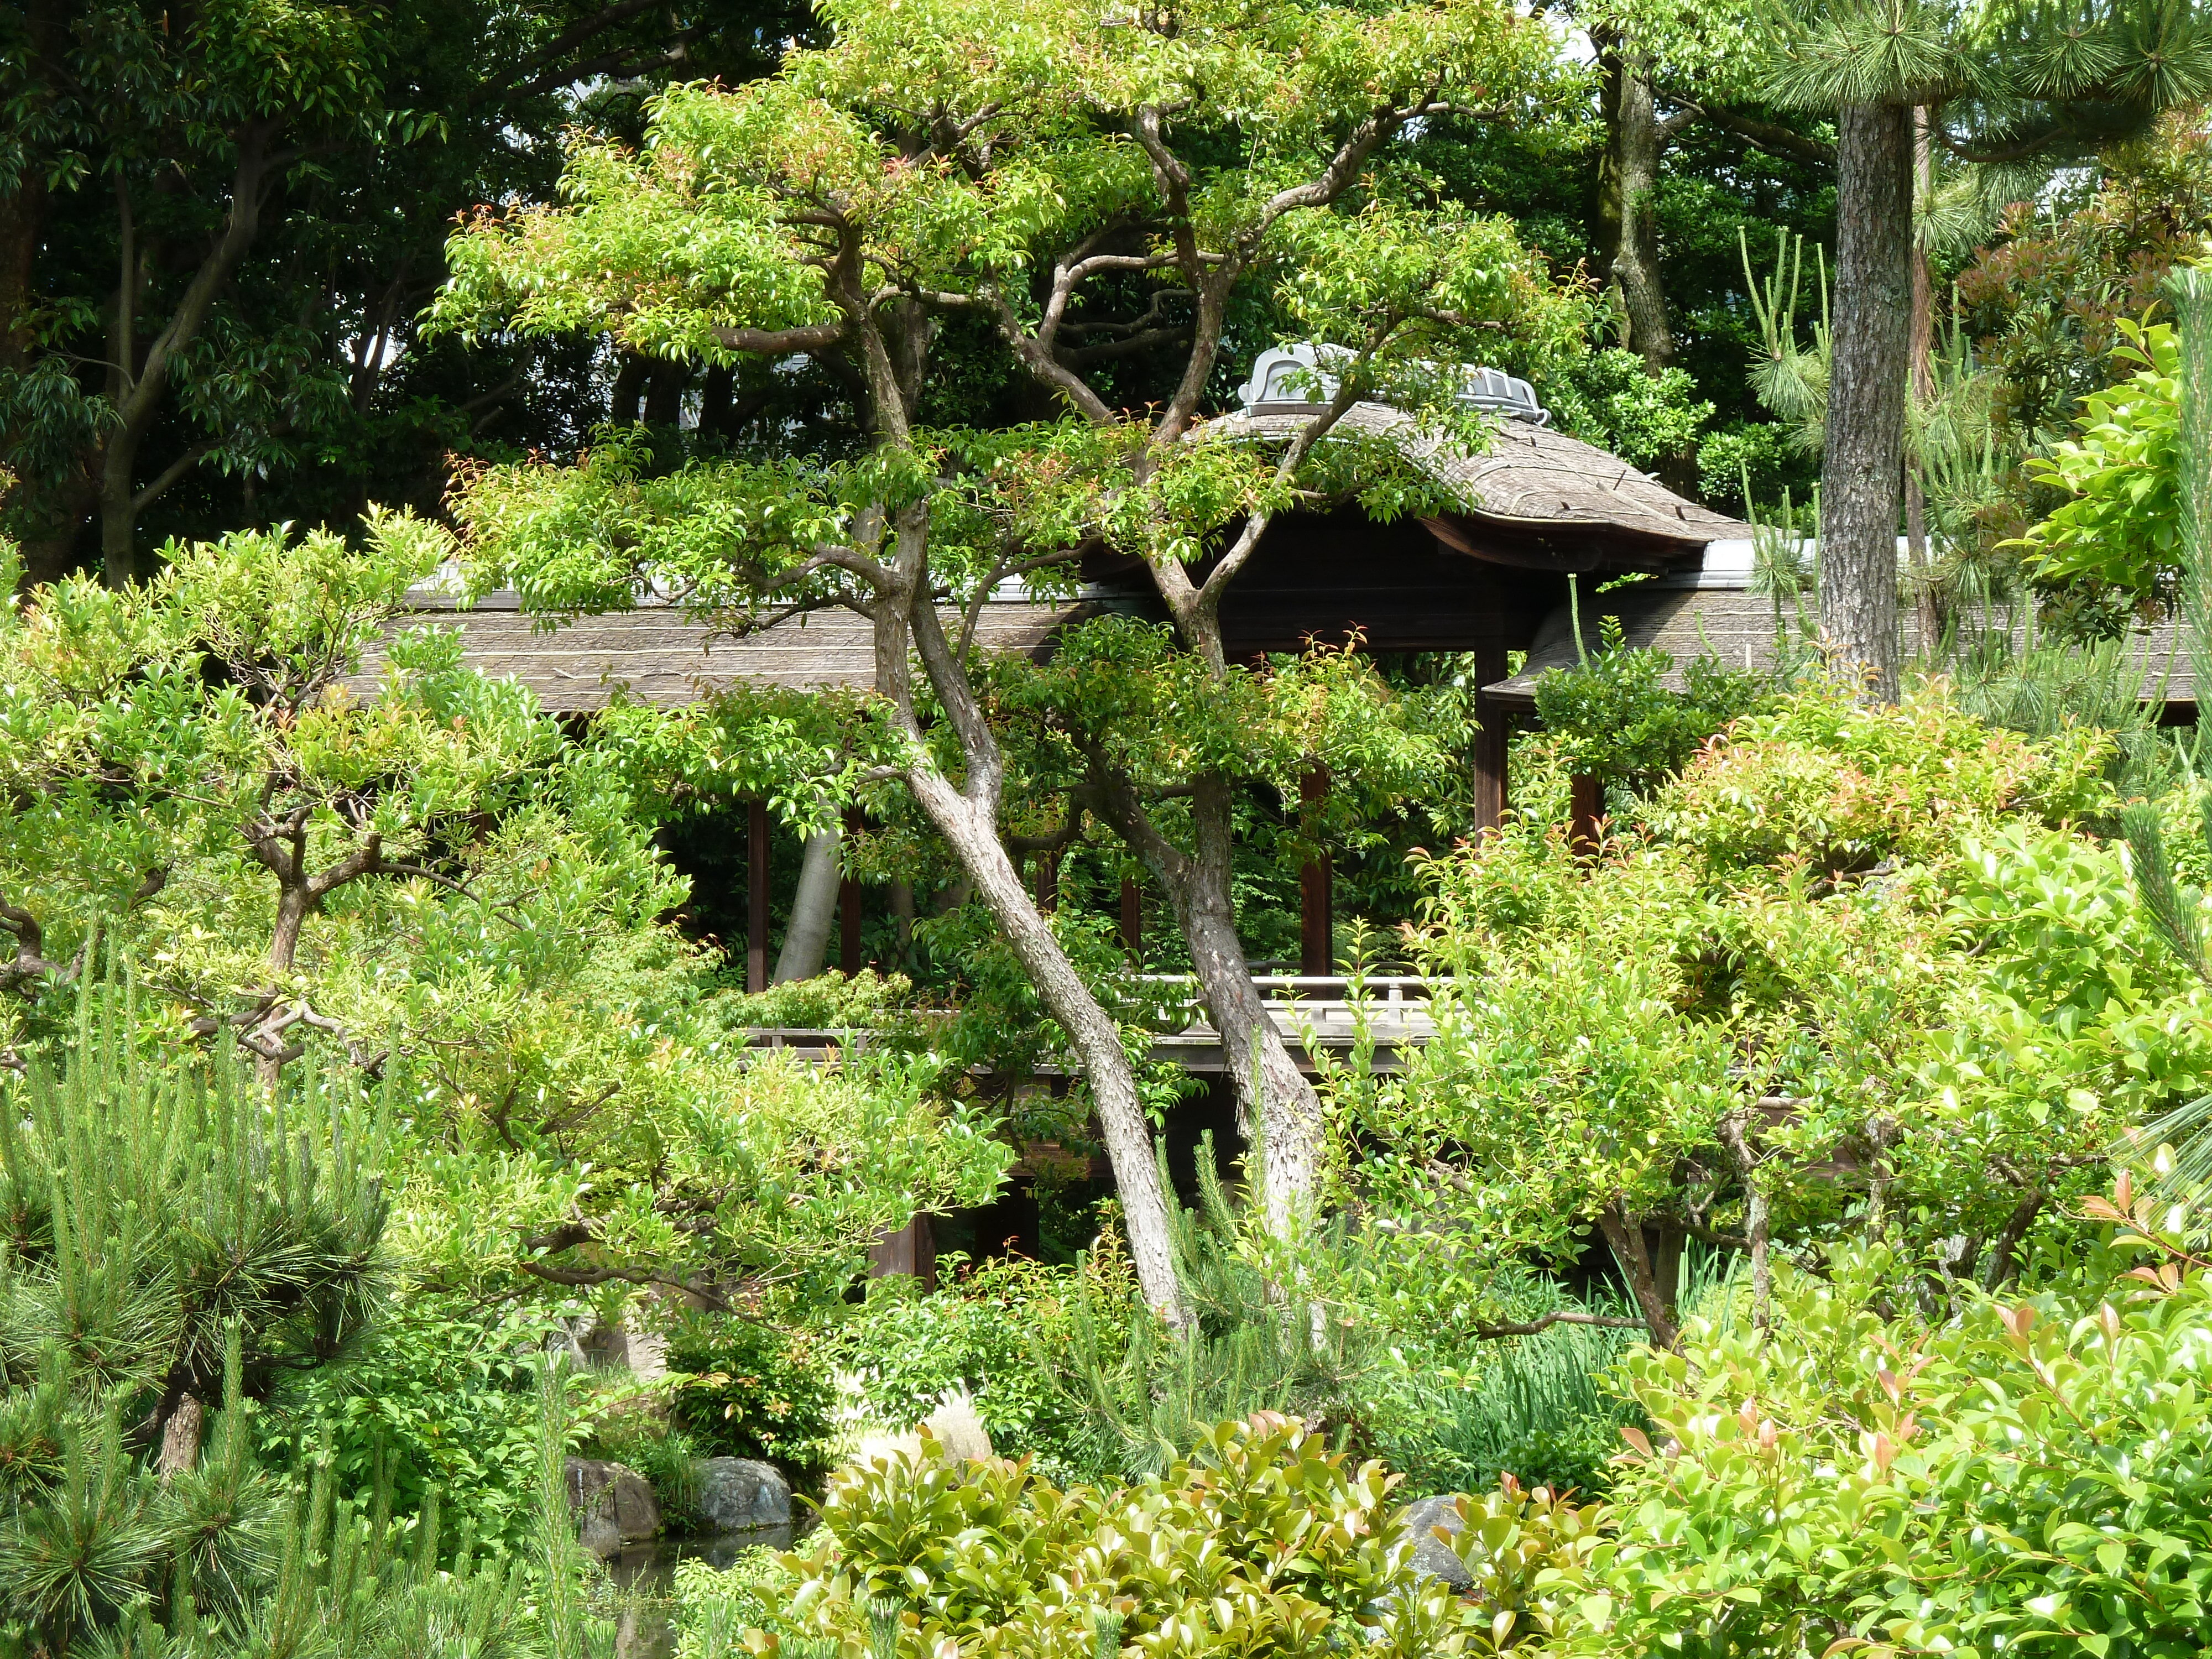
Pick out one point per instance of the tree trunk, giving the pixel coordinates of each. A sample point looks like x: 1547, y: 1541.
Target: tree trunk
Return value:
x: 1627, y: 202
x: 1625, y: 1234
x: 1926, y: 616
x: 813, y: 909
x: 1757, y: 1228
x: 908, y: 626
x: 180, y: 1439
x: 144, y: 385
x: 1627, y: 222
x: 1863, y: 459
x: 1271, y: 1093
x: 973, y: 838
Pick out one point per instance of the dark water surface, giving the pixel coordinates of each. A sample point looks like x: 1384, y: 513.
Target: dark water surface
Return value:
x: 644, y: 1577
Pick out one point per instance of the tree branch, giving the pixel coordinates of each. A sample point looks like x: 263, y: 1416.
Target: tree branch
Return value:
x: 169, y: 475
x: 1560, y: 1317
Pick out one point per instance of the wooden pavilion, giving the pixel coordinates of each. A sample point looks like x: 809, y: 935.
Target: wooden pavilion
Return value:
x: 1491, y: 579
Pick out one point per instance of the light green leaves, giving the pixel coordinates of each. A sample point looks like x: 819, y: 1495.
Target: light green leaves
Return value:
x: 2122, y: 524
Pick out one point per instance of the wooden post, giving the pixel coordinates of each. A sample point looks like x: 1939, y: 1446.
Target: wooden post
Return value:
x: 1316, y: 901
x: 849, y: 905
x: 756, y: 896
x: 1585, y: 806
x: 1490, y: 743
x: 1047, y: 881
x: 1133, y: 920
x: 911, y: 1250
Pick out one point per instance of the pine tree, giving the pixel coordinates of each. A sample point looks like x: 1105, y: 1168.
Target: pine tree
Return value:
x: 2001, y: 85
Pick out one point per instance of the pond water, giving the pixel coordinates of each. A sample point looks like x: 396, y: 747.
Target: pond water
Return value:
x: 644, y: 1575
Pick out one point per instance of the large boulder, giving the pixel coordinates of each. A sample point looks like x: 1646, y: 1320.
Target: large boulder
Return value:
x: 613, y: 1505
x: 737, y: 1492
x: 1433, y: 1557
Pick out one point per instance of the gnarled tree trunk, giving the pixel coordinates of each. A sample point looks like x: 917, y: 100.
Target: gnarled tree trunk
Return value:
x: 1273, y: 1094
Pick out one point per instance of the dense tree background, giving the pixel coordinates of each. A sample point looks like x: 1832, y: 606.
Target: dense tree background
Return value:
x: 278, y: 180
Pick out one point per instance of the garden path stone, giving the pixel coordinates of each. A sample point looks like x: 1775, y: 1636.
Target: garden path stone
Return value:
x: 737, y: 1492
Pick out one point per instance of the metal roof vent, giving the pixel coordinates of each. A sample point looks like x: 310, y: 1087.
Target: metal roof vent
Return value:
x: 1296, y: 379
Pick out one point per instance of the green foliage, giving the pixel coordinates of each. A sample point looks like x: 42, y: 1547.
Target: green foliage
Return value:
x: 155, y: 1210
x: 1535, y: 1408
x: 2120, y: 526
x: 1261, y: 1541
x: 2030, y: 1472
x: 179, y: 1247
x: 442, y: 1396
x: 1786, y: 935
x: 1610, y: 399
x: 749, y: 1388
x: 1259, y: 1344
x: 419, y: 866
x: 1835, y: 785
x: 277, y: 369
x: 1001, y: 1333
x: 1611, y: 716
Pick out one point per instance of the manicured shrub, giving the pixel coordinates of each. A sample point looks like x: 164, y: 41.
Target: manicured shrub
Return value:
x: 1263, y: 1542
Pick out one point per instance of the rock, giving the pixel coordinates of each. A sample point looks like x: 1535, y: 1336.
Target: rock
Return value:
x: 613, y: 1505
x: 1433, y: 1557
x: 737, y: 1492
x: 598, y: 1535
x: 955, y: 1427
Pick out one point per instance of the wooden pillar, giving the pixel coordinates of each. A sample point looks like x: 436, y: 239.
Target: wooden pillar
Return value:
x: 1047, y: 882
x: 1133, y: 919
x: 756, y: 896
x: 849, y: 905
x: 911, y: 1250
x: 1585, y: 806
x: 1491, y: 742
x: 1316, y: 899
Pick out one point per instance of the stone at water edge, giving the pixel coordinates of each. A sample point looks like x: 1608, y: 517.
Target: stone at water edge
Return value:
x: 612, y: 1502
x: 1433, y: 1557
x: 737, y: 1492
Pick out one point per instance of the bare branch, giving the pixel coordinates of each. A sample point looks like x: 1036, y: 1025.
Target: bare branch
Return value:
x: 783, y: 342
x: 1560, y: 1317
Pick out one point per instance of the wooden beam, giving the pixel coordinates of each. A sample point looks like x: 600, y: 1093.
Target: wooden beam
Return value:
x: 756, y: 896
x: 1133, y: 920
x: 849, y: 905
x: 1491, y: 743
x: 1317, y: 897
x: 912, y: 1250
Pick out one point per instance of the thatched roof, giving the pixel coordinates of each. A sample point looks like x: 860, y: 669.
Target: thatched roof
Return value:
x: 659, y: 655
x: 1737, y: 627
x: 1530, y: 478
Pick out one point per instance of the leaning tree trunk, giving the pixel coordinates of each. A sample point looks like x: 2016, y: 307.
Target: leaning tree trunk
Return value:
x: 1271, y: 1093
x: 1862, y: 464
x: 974, y: 837
x: 968, y: 819
x: 813, y: 910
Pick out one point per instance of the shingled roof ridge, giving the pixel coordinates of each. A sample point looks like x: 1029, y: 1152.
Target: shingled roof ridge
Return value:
x: 1525, y: 467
